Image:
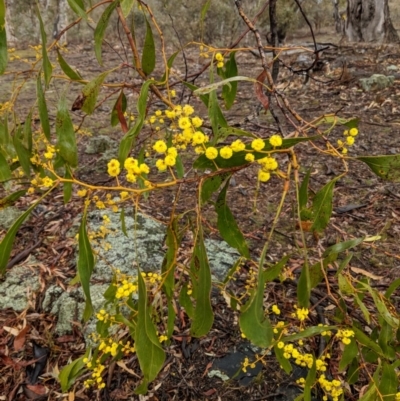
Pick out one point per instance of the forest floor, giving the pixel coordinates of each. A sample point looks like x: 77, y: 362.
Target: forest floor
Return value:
x: 364, y: 205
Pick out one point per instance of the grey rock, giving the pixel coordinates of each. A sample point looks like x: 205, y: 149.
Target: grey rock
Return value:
x: 376, y: 82
x: 8, y: 216
x: 392, y: 68
x: 100, y: 144
x: 19, y: 282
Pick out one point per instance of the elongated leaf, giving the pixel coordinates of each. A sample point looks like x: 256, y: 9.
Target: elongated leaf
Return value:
x: 363, y: 308
x: 149, y: 51
x: 10, y: 199
x: 68, y: 71
x: 303, y: 191
x: 85, y: 267
x: 213, y: 113
x: 169, y: 65
x: 70, y: 373
x: 392, y: 288
x: 6, y: 143
x: 120, y: 104
x: 66, y: 141
x: 23, y: 154
x: 100, y: 30
x: 308, y: 332
x: 67, y: 188
x: 186, y: 302
x: 349, y: 353
x: 78, y: 7
x: 47, y: 68
x: 3, y: 38
x: 322, y: 206
x: 389, y: 383
x: 224, y: 132
x: 91, y: 91
x: 343, y: 246
x: 127, y: 141
x: 148, y: 349
x: 6, y: 243
x: 210, y: 185
x: 310, y: 381
x: 304, y: 286
x: 126, y: 6
x: 283, y: 362
x: 363, y: 339
x: 204, y: 90
x: 203, y: 13
x: 169, y: 262
x: 385, y: 340
x: 200, y: 271
x: 227, y: 225
x: 229, y: 91
x: 273, y: 272
x: 386, y: 167
x: 43, y: 113
x: 5, y: 172
x: 27, y: 137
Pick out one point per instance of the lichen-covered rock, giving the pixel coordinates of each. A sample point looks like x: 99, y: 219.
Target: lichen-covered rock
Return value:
x: 20, y: 283
x: 8, y: 215
x: 376, y: 82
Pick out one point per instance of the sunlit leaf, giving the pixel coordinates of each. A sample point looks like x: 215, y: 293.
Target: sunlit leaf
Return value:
x: 386, y: 167
x: 78, y: 7
x: 70, y: 373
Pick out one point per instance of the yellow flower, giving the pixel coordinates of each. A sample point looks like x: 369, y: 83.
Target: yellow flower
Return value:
x: 82, y: 193
x: 263, y: 176
x: 281, y: 344
x: 238, y: 145
x: 123, y: 195
x: 350, y: 140
x: 198, y: 138
x: 144, y: 168
x: 47, y: 182
x: 249, y: 157
x: 170, y: 160
x: 276, y: 310
x: 275, y: 140
x: 211, y: 153
x: 226, y: 152
x: 220, y: 64
x: 188, y: 109
x: 258, y: 144
x: 158, y: 113
x: 172, y: 151
x: 113, y: 168
x: 184, y: 122
x: 268, y: 163
x: 160, y: 147
x: 219, y: 57
x: 131, y: 177
x: 160, y: 164
x: 353, y: 132
x: 172, y: 92
x: 197, y: 122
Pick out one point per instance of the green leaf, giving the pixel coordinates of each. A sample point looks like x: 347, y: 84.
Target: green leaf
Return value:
x: 67, y: 188
x: 6, y: 243
x: 303, y: 191
x: 389, y: 382
x: 304, y: 286
x: 392, y: 288
x: 204, y: 90
x: 203, y: 13
x: 343, y: 246
x: 70, y: 373
x: 203, y: 317
x: 213, y: 113
x: 186, y: 302
x: 180, y: 168
x: 43, y: 114
x: 310, y: 381
x: 224, y: 132
x: 10, y: 199
x: 345, y: 286
x: 386, y: 167
x: 363, y: 308
x: 5, y: 172
x: 149, y: 51
x: 169, y: 262
x: 283, y: 362
x: 385, y: 339
x: 85, y: 266
x: 344, y: 263
x: 28, y: 132
x: 349, y: 353
x: 101, y: 29
x: 23, y: 154
x: 47, y: 68
x: 127, y: 141
x: 169, y: 65
x: 370, y: 395
x: 68, y: 71
x: 271, y: 273
x: 126, y: 7
x: 66, y: 141
x: 122, y: 219
x: 114, y: 114
x: 210, y: 185
x: 91, y: 91
x: 148, y: 349
x: 308, y: 332
x: 227, y: 225
x: 322, y: 206
x: 253, y: 321
x: 229, y: 91
x: 3, y: 38
x: 78, y: 7
x: 363, y: 339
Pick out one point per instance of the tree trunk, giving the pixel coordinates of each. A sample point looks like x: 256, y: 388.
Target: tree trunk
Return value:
x: 369, y: 21
x: 11, y: 39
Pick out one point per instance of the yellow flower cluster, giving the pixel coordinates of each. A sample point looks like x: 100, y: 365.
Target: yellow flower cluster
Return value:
x: 345, y: 336
x: 331, y: 388
x: 219, y: 58
x: 246, y: 363
x: 102, y: 315
x: 125, y: 289
x: 301, y: 314
x: 280, y: 326
x: 349, y: 139
x: 96, y: 378
x: 275, y: 310
x: 304, y: 360
x: 151, y: 278
x: 325, y: 333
